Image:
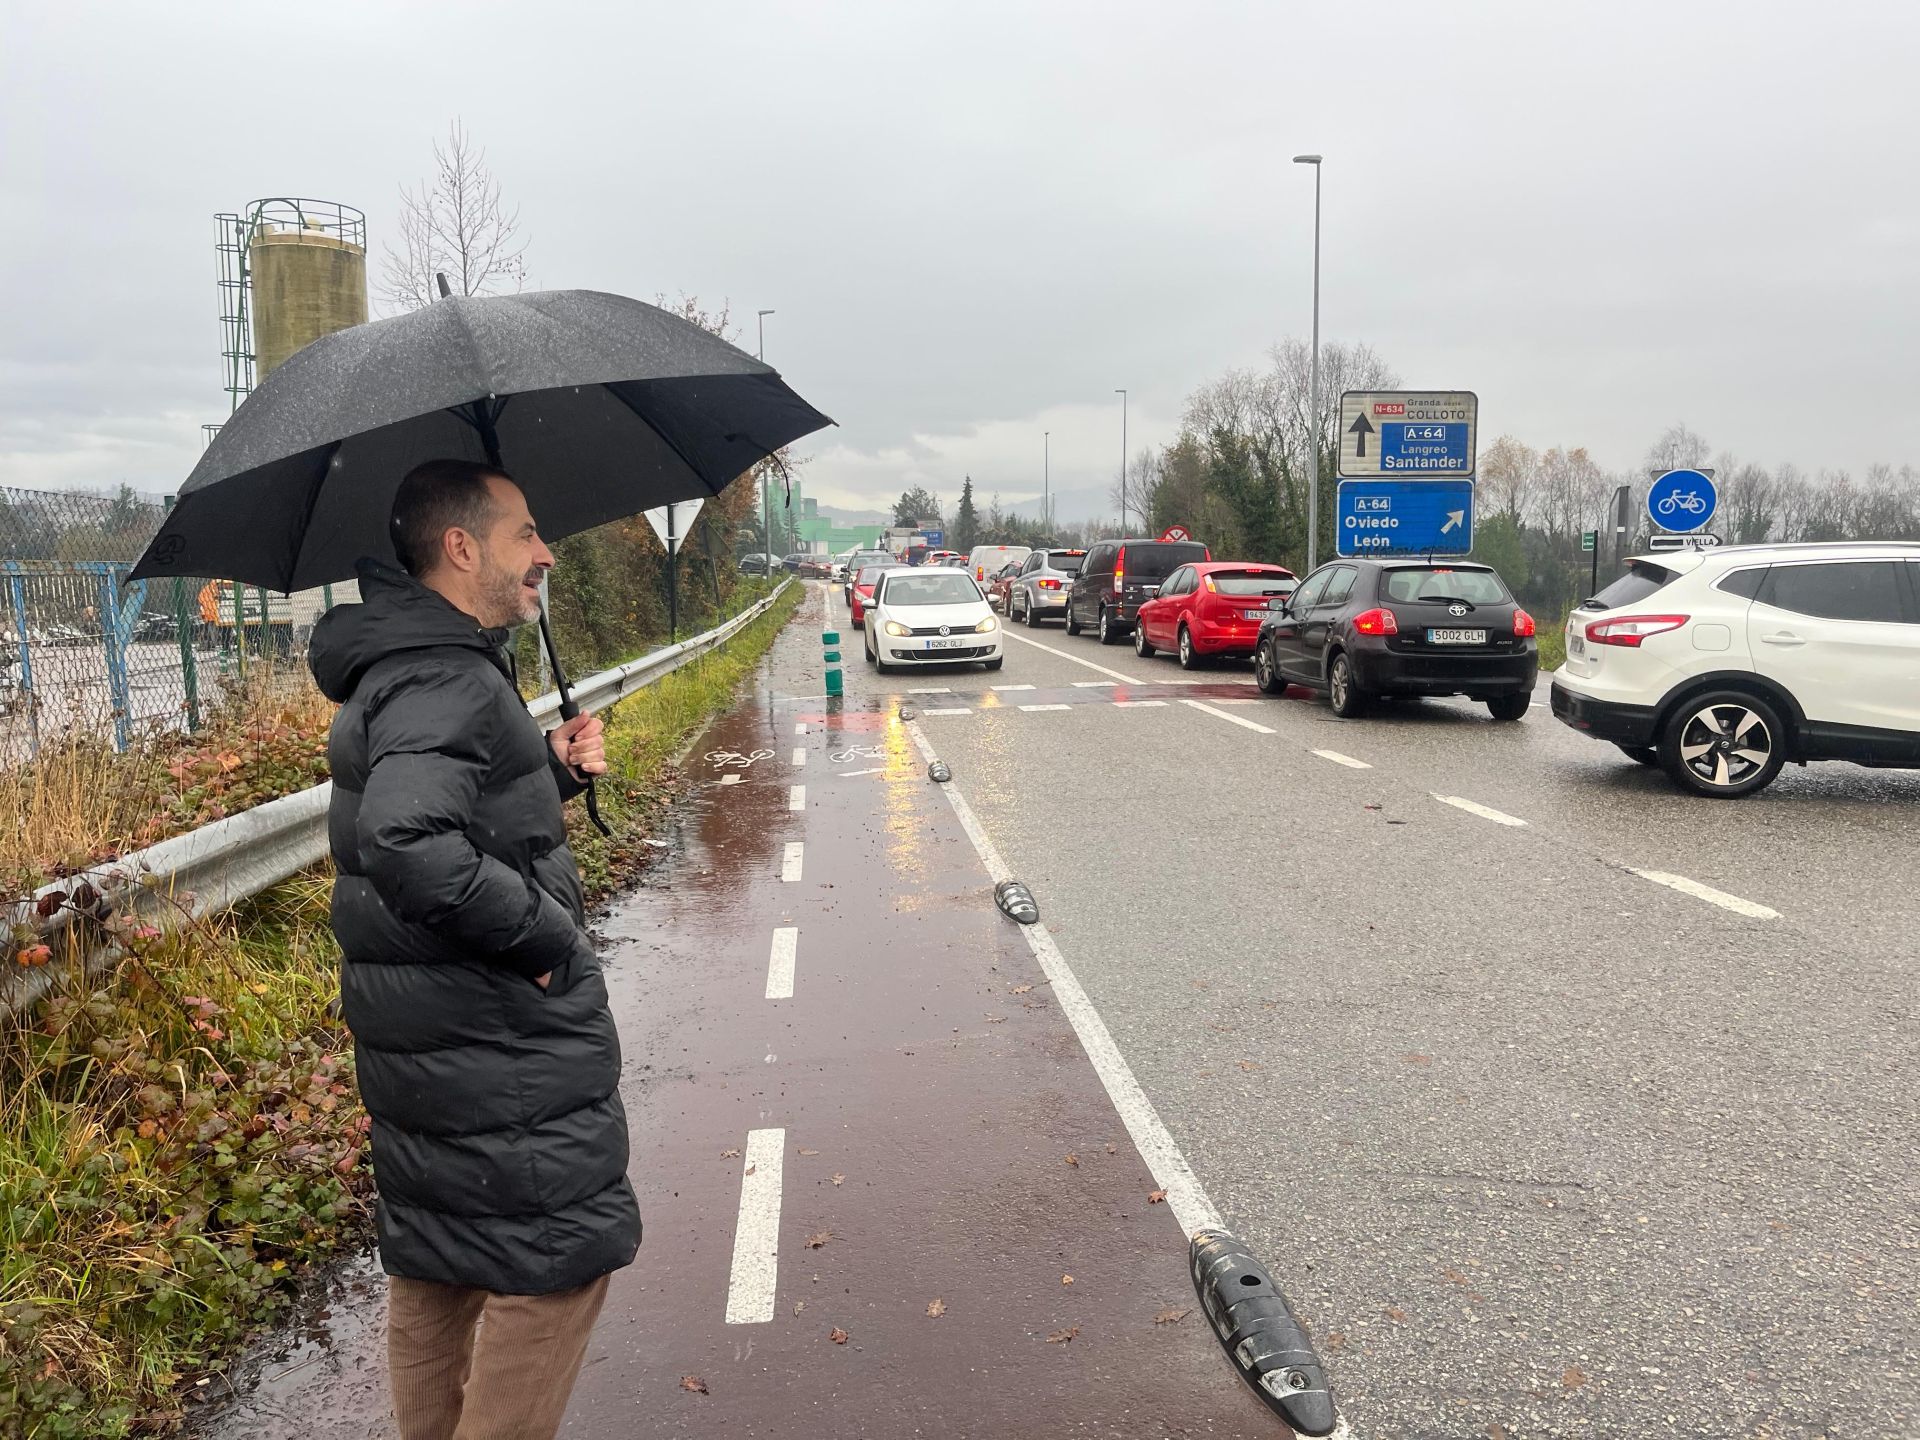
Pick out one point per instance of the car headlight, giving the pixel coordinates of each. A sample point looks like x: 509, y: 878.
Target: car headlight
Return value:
x: 894, y: 627
x: 987, y: 624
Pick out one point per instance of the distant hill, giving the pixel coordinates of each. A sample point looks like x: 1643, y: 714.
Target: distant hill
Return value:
x: 855, y: 517
x: 1070, y: 506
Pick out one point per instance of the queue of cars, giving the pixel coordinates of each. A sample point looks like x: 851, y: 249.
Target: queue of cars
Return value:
x: 1720, y: 666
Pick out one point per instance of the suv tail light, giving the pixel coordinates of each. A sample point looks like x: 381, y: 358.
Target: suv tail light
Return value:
x: 1049, y: 584
x: 1119, y: 580
x: 1631, y: 630
x: 1376, y: 622
x: 1523, y: 625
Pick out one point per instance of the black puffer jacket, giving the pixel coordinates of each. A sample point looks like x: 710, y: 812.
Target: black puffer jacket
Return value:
x: 499, y: 1140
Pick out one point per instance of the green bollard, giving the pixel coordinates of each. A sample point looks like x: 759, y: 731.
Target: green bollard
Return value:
x: 831, y: 640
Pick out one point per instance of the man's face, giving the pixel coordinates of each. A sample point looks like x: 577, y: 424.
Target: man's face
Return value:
x: 512, y: 560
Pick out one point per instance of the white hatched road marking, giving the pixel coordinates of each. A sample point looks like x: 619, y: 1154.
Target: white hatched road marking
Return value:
x: 780, y: 961
x: 796, y: 797
x: 961, y: 710
x: 756, y: 1236
x: 1707, y: 893
x: 1046, y: 707
x: 1232, y: 719
x: 791, y: 862
x: 1347, y: 760
x: 729, y: 779
x: 1473, y: 807
x: 1186, y: 1197
x: 799, y: 755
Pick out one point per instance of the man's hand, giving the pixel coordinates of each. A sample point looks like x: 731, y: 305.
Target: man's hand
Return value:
x: 541, y: 980
x: 581, y: 745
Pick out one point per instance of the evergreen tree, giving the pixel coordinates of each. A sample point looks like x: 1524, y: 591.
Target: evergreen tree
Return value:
x: 966, y: 521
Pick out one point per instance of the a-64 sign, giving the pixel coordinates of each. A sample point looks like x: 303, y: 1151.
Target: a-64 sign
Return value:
x: 1408, y: 434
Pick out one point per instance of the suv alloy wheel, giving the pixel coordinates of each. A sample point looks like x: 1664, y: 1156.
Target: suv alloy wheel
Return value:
x: 1725, y: 744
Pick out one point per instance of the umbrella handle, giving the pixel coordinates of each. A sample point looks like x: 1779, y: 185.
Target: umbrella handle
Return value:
x: 568, y: 711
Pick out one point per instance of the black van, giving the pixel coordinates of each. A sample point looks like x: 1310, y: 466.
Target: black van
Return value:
x: 1117, y: 575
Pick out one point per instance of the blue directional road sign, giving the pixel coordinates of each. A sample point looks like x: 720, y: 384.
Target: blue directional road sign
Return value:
x: 1424, y: 433
x: 1404, y: 517
x: 1682, y: 500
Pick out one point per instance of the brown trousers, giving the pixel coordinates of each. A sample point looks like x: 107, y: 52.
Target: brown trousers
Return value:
x: 509, y: 1383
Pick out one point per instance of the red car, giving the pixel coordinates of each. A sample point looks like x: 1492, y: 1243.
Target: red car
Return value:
x: 861, y: 594
x: 1000, y: 584
x: 1208, y: 609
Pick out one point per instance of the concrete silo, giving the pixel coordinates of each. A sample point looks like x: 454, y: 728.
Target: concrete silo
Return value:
x: 307, y: 261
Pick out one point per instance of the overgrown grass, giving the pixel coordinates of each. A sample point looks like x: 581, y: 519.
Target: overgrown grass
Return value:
x: 180, y: 1141
x: 1551, y: 635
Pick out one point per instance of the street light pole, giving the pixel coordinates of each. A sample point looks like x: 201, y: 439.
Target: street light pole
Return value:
x: 1313, y: 402
x: 766, y: 487
x: 1123, y: 461
x: 1046, y: 477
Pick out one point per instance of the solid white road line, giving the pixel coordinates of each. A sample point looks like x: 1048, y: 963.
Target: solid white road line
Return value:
x: 1186, y: 1197
x: 1139, y: 704
x: 1091, y: 684
x: 961, y: 710
x: 1077, y: 660
x: 796, y: 797
x: 756, y: 1236
x: 729, y: 779
x: 1011, y: 687
x: 1046, y: 707
x: 1709, y: 894
x: 791, y: 862
x: 1347, y: 760
x: 1232, y: 719
x: 786, y: 945
x: 799, y: 754
x: 1485, y: 812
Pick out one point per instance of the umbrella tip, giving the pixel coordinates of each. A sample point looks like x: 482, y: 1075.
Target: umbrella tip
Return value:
x: 446, y: 290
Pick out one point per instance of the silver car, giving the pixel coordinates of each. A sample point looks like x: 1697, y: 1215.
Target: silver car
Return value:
x: 1040, y: 589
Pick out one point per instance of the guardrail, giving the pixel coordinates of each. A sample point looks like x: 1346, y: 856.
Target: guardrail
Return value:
x: 209, y: 869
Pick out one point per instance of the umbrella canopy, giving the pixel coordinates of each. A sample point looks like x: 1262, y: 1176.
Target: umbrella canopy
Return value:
x: 599, y: 406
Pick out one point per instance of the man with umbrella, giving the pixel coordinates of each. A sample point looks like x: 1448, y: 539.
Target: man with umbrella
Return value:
x: 487, y: 1054
x: 485, y: 1048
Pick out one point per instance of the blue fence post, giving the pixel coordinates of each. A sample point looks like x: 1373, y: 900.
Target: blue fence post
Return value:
x: 17, y: 589
x: 116, y: 648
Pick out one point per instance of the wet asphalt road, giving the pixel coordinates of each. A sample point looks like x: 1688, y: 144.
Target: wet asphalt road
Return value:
x: 1538, y: 1146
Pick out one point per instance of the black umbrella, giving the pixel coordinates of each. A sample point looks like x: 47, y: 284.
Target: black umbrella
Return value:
x: 600, y: 406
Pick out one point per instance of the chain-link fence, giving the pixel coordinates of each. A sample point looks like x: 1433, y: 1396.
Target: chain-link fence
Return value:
x: 86, y: 653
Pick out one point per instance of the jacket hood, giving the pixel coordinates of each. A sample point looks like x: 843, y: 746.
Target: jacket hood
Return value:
x: 396, y: 612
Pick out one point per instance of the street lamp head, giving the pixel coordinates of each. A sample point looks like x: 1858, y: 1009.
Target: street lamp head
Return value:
x: 763, y: 312
x: 1306, y: 159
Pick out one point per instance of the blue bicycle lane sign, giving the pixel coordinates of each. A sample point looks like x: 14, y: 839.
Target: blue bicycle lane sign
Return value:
x: 1682, y: 501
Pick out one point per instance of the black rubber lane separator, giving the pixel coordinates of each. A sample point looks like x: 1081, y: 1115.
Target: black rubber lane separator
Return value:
x: 939, y: 773
x: 1016, y: 901
x: 1257, y: 1328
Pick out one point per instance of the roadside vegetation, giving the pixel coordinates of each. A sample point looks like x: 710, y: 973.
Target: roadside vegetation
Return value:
x: 180, y: 1140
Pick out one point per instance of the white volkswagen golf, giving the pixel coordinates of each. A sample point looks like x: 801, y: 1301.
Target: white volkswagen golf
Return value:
x: 930, y: 616
x: 1720, y: 666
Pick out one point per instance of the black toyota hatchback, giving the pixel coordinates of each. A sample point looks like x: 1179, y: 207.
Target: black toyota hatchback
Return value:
x: 1365, y: 628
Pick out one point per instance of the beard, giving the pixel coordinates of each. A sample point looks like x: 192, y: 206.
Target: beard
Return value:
x: 504, y: 598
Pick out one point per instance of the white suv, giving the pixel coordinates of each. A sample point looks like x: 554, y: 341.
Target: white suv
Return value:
x: 1722, y: 665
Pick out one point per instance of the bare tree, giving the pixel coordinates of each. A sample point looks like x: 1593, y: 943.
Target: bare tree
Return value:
x: 1509, y: 479
x: 453, y: 224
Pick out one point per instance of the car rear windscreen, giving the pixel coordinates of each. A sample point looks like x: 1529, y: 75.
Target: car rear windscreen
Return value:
x: 1251, y: 582
x: 1418, y: 583
x: 1156, y: 562
x: 867, y: 574
x: 1641, y: 580
x: 937, y: 588
x: 1067, y: 561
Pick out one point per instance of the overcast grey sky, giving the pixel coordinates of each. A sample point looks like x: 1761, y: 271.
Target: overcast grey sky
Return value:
x: 975, y: 220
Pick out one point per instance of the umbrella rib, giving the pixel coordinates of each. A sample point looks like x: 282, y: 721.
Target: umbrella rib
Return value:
x: 306, y: 519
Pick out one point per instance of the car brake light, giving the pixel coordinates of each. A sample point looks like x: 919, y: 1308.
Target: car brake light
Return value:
x: 1049, y: 584
x: 1522, y: 624
x: 1632, y: 629
x: 1376, y: 622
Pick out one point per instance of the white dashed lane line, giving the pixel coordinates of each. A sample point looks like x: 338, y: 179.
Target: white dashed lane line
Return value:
x: 932, y: 690
x: 792, y: 860
x: 1139, y: 704
x: 1707, y: 893
x: 799, y: 755
x: 756, y: 1237
x: 1485, y: 812
x: 959, y: 710
x: 1046, y: 707
x: 1092, y: 684
x: 729, y: 779
x: 796, y: 797
x: 1347, y: 760
x: 786, y: 947
x: 1230, y: 719
x: 1011, y: 687
x: 800, y: 727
